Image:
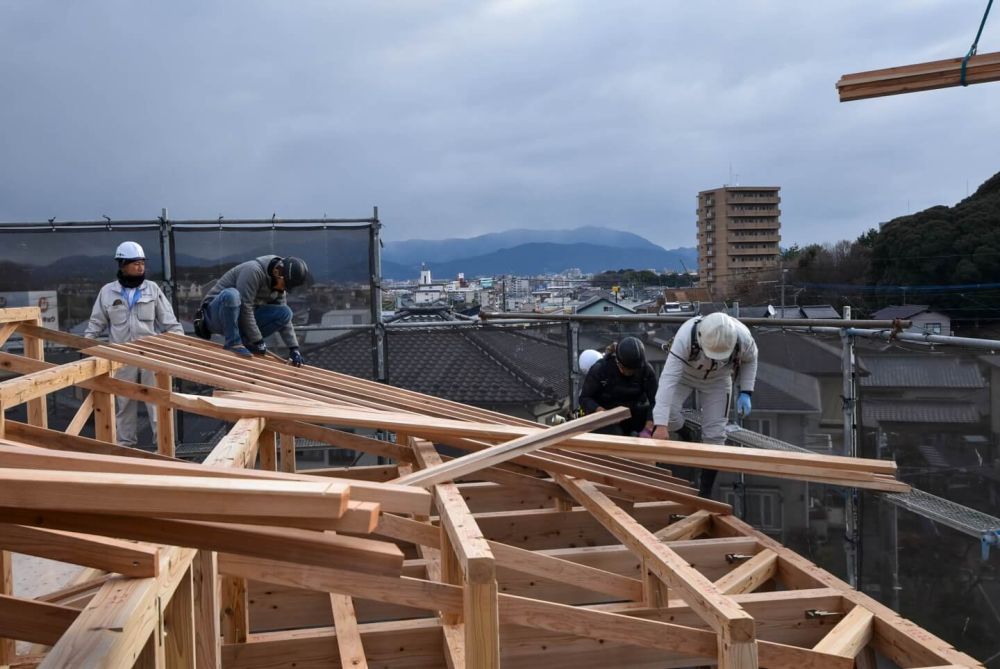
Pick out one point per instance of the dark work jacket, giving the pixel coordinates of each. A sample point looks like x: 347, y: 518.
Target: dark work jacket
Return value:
x: 606, y: 387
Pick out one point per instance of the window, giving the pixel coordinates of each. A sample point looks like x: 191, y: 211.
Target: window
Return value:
x: 758, y: 425
x: 932, y: 328
x: 607, y: 308
x: 764, y: 508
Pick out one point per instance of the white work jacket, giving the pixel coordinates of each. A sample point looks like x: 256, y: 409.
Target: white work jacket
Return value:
x: 702, y: 373
x: 150, y: 314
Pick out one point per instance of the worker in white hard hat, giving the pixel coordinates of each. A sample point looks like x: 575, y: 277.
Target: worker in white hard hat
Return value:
x: 707, y: 354
x: 587, y: 360
x: 130, y: 308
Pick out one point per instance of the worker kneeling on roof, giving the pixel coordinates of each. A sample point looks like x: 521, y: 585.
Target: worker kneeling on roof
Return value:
x: 622, y: 378
x: 130, y: 308
x: 707, y: 353
x: 248, y: 304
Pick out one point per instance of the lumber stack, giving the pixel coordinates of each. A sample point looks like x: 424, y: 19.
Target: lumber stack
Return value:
x: 535, y: 547
x: 980, y: 69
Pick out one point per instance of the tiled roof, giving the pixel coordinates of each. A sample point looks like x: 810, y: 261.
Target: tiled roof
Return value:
x: 484, y: 367
x: 772, y: 399
x: 921, y: 371
x: 820, y: 311
x: 904, y: 311
x: 798, y: 351
x: 915, y: 411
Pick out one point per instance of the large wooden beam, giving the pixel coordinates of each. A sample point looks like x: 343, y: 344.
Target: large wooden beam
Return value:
x: 345, y: 621
x: 980, y: 69
x: 468, y: 464
x: 28, y: 315
x: 38, y: 384
x: 122, y: 557
x: 34, y: 621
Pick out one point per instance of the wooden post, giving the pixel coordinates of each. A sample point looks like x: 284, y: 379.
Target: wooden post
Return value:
x: 104, y: 417
x: 152, y: 655
x: 165, y: 437
x: 235, y: 614
x: 34, y: 348
x: 287, y: 453
x: 178, y: 625
x: 266, y: 448
x: 7, y: 646
x: 206, y: 613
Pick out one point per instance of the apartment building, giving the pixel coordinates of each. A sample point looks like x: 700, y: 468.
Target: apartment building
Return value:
x: 739, y: 229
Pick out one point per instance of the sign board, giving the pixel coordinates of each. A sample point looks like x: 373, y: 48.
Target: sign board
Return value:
x: 47, y: 302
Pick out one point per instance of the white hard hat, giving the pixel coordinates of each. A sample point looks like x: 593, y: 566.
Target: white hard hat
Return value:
x: 129, y: 251
x: 588, y: 358
x: 717, y: 335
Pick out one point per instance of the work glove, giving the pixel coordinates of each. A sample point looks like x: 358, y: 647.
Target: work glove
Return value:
x: 743, y: 405
x: 295, y: 357
x: 258, y: 348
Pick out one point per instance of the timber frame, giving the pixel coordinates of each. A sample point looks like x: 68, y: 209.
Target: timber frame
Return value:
x: 541, y: 548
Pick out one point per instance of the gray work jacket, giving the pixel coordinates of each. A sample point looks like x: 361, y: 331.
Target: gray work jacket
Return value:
x: 150, y: 315
x: 251, y: 280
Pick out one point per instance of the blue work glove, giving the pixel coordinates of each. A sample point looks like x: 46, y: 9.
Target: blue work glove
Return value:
x: 295, y: 357
x: 743, y: 405
x: 258, y: 348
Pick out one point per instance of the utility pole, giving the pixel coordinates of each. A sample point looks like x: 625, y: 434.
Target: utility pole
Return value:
x: 784, y: 273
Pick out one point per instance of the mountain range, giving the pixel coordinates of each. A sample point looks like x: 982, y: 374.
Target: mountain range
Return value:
x: 590, y: 249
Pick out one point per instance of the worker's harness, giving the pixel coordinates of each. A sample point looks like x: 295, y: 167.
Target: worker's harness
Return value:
x: 695, y: 352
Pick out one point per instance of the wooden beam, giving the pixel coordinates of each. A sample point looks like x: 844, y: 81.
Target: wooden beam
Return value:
x: 203, y: 498
x: 6, y: 330
x: 345, y: 621
x: 20, y: 314
x: 736, y: 629
x: 34, y: 348
x: 981, y: 68
x: 34, y: 621
x: 286, y: 543
x: 105, y: 428
x: 235, y: 612
x: 60, y: 441
x: 38, y: 384
x: 287, y: 453
x: 850, y: 635
x: 468, y: 464
x: 750, y: 575
x: 8, y: 650
x: 81, y: 416
x: 689, y: 527
x: 123, y: 557
x: 268, y: 447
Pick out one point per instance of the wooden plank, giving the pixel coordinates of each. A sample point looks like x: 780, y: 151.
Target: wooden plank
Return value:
x: 268, y: 447
x: 737, y: 647
x: 207, y: 612
x: 352, y: 651
x: 172, y: 496
x: 165, y: 414
x: 850, y: 635
x: 750, y: 575
x: 6, y: 330
x: 59, y: 441
x: 34, y: 621
x: 287, y: 543
x: 38, y: 384
x: 981, y: 68
x: 468, y: 464
x: 123, y: 557
x: 82, y: 415
x: 179, y: 625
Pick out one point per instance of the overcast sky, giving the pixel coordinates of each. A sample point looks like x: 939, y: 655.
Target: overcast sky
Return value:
x: 461, y: 118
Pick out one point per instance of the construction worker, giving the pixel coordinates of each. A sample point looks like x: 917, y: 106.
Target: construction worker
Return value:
x: 248, y: 304
x: 587, y: 360
x: 131, y: 308
x: 622, y: 378
x: 707, y: 353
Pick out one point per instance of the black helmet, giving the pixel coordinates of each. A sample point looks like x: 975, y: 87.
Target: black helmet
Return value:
x: 295, y: 271
x: 631, y: 353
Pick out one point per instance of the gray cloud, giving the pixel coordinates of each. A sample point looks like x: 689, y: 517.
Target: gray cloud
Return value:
x: 460, y: 118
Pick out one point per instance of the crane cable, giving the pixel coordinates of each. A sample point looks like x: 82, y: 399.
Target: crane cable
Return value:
x: 975, y: 43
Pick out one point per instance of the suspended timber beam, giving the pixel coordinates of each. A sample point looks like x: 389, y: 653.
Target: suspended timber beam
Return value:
x: 980, y: 69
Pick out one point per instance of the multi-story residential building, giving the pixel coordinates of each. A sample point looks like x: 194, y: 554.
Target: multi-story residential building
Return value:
x: 739, y: 229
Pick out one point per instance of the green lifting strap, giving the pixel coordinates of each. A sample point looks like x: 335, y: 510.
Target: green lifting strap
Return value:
x: 975, y: 43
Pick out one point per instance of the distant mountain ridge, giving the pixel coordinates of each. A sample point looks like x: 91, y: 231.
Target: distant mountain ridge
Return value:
x: 590, y: 249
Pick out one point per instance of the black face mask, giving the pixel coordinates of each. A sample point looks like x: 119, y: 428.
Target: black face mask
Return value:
x: 131, y: 281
